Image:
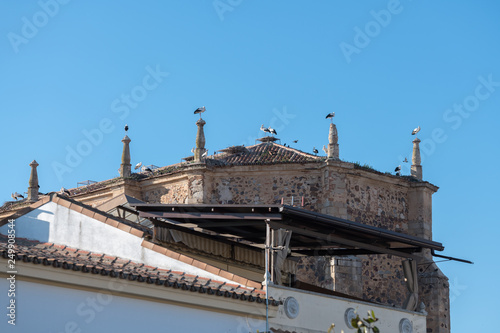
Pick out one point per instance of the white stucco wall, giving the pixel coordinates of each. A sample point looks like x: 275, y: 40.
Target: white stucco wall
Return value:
x: 60, y: 225
x: 317, y: 312
x: 45, y: 308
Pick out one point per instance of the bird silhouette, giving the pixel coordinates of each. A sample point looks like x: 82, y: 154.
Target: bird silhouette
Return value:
x: 398, y: 170
x: 330, y: 115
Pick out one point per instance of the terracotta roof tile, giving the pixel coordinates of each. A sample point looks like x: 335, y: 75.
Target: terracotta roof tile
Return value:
x: 112, y: 222
x: 147, y: 244
x: 100, y: 217
x: 64, y: 203
x: 59, y: 256
x: 76, y: 208
x: 262, y: 153
x: 137, y: 233
x: 124, y: 227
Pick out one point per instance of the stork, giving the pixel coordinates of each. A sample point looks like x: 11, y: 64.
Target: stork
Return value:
x: 16, y: 196
x: 315, y: 150
x: 138, y: 165
x: 64, y: 191
x: 330, y: 116
x: 398, y: 170
x: 415, y: 131
x: 199, y: 111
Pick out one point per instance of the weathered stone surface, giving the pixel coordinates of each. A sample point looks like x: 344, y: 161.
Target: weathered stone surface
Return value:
x: 383, y: 280
x: 316, y: 271
x: 170, y: 193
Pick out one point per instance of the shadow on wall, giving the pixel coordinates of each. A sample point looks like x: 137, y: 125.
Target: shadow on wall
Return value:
x: 30, y: 227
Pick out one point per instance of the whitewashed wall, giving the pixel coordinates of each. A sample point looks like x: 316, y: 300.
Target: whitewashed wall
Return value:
x: 57, y: 224
x: 44, y: 308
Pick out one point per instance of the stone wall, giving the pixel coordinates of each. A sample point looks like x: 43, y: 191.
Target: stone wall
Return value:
x: 347, y: 273
x: 263, y: 186
x: 378, y: 204
x: 173, y: 192
x: 383, y: 280
x: 434, y: 292
x: 317, y: 271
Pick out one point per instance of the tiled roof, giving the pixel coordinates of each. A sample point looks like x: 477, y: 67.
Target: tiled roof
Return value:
x: 63, y: 257
x: 262, y: 153
x: 14, y: 205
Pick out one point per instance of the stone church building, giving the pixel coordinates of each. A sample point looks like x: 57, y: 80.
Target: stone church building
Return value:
x: 269, y: 173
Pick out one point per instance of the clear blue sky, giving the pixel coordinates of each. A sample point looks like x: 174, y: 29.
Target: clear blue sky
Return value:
x: 84, y: 68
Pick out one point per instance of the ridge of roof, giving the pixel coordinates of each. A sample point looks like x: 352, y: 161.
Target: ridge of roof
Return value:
x: 64, y: 257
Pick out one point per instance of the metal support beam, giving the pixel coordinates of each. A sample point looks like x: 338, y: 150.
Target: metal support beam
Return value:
x: 212, y: 216
x: 341, y: 240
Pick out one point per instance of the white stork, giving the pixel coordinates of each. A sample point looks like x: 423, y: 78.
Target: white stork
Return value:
x: 264, y: 129
x: 16, y: 196
x: 64, y: 191
x: 199, y: 111
x: 398, y: 170
x: 330, y: 116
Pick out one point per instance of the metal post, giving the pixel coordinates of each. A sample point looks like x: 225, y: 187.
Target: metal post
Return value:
x: 268, y: 248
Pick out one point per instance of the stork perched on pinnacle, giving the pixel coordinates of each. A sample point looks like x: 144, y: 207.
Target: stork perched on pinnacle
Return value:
x: 199, y: 111
x: 415, y: 131
x: 330, y: 116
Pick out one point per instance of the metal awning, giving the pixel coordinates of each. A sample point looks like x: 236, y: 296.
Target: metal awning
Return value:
x: 313, y: 234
